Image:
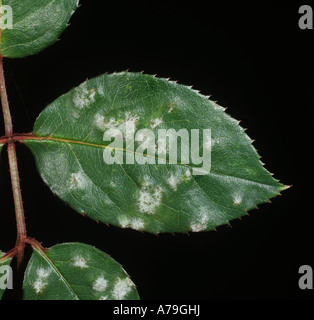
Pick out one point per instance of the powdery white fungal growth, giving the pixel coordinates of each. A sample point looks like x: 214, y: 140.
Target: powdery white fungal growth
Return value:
x: 124, y: 221
x: 237, y: 199
x: 100, y: 90
x: 173, y: 181
x: 83, y: 97
x: 78, y: 180
x: 134, y: 223
x: 188, y: 174
x: 43, y: 273
x: 38, y: 285
x: 112, y: 123
x: 131, y: 119
x: 147, y: 181
x: 100, y: 284
x: 103, y: 298
x: 112, y: 132
x: 80, y: 262
x: 155, y: 123
x: 99, y: 121
x: 137, y: 224
x: 170, y: 109
x: 121, y: 288
x: 201, y: 221
x: 40, y: 282
x: 148, y: 202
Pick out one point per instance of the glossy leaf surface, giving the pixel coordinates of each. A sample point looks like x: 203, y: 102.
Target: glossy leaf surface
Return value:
x: 29, y: 26
x: 69, y: 147
x: 76, y: 271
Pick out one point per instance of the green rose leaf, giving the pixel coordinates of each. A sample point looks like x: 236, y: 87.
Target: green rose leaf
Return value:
x: 3, y: 271
x: 76, y: 271
x: 70, y: 151
x: 29, y: 26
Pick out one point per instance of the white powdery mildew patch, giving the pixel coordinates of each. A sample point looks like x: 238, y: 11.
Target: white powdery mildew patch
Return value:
x: 112, y: 124
x: 137, y: 224
x: 80, y: 262
x: 124, y: 221
x: 131, y: 119
x: 147, y: 181
x: 100, y: 123
x: 134, y: 223
x: 43, y: 273
x: 175, y: 180
x: 100, y: 284
x: 155, y: 123
x: 237, y: 199
x: 148, y: 202
x: 188, y: 174
x: 78, y: 180
x: 41, y: 280
x: 122, y: 288
x: 100, y: 90
x: 200, y: 222
x: 103, y: 298
x: 112, y: 132
x: 83, y: 97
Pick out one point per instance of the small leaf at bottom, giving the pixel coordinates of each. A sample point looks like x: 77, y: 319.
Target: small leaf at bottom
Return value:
x: 76, y: 271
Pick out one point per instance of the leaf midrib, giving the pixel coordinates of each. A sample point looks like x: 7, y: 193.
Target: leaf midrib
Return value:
x: 90, y: 144
x: 54, y: 267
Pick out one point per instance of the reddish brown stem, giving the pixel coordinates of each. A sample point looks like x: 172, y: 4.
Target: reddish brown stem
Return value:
x: 14, y: 173
x: 5, y: 103
x: 18, y: 203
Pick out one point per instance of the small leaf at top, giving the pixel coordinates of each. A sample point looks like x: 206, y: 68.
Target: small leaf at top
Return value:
x: 70, y: 151
x: 3, y: 273
x: 29, y: 26
x: 76, y: 271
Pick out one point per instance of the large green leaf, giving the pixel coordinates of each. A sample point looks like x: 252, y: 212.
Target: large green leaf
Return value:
x: 5, y: 262
x: 76, y: 271
x: 36, y: 24
x: 68, y: 146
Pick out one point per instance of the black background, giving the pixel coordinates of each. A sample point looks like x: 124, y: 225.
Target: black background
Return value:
x: 254, y: 60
